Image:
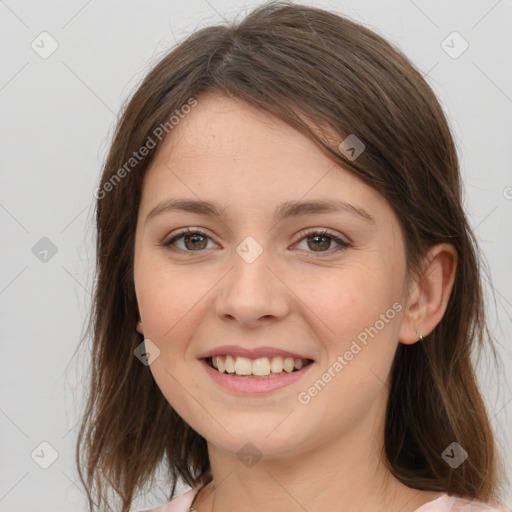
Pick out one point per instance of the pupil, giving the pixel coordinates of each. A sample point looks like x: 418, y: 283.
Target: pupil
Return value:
x: 318, y: 244
x: 195, y: 239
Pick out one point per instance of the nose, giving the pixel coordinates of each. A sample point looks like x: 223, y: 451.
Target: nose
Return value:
x: 252, y: 294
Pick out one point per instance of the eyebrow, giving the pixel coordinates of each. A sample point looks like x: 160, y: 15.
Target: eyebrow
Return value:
x: 283, y: 211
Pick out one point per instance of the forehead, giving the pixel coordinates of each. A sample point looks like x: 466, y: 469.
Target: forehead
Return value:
x: 224, y: 149
x: 222, y: 128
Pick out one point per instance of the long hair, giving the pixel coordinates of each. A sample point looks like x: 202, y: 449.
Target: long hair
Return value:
x: 321, y: 73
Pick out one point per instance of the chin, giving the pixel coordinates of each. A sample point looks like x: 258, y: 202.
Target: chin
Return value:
x: 258, y: 439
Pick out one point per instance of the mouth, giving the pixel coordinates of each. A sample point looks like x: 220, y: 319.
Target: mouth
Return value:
x: 260, y: 368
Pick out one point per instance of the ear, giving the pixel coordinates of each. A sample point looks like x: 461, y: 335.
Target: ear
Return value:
x: 429, y: 293
x: 139, y: 326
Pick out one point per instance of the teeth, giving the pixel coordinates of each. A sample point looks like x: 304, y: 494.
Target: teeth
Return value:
x: 261, y: 367
x: 243, y: 366
x: 276, y: 366
x: 229, y: 364
x: 289, y: 364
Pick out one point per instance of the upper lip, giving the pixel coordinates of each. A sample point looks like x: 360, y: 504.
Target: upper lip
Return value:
x: 252, y: 353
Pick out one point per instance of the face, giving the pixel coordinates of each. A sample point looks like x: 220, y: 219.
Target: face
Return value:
x: 253, y: 246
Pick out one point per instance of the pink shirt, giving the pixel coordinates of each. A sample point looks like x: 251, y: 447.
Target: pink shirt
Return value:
x: 444, y: 503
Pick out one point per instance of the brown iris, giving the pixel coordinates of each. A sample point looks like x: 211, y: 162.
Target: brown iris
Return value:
x: 196, y: 241
x: 318, y: 245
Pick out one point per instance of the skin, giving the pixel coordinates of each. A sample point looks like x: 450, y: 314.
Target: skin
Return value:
x: 326, y: 454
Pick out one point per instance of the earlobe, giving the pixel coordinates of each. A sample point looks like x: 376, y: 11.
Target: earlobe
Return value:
x: 429, y: 294
x: 139, y: 326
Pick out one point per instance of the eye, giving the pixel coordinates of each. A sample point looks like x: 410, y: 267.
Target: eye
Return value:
x: 195, y: 240
x: 192, y: 240
x: 321, y: 241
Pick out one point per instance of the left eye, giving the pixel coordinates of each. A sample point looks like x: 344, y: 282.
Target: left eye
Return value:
x: 322, y: 241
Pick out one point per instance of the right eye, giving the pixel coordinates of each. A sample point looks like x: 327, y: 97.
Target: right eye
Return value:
x: 193, y: 240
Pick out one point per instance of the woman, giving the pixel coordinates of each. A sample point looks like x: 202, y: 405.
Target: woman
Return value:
x: 288, y: 290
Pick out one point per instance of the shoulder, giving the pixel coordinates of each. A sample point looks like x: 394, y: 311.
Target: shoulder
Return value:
x: 460, y: 505
x: 180, y: 504
x: 447, y: 503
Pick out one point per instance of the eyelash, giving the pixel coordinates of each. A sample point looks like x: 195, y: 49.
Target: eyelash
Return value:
x: 342, y: 244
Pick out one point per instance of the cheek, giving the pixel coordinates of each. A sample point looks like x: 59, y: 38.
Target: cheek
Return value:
x: 360, y: 311
x: 169, y: 299
x: 353, y: 299
x: 172, y: 302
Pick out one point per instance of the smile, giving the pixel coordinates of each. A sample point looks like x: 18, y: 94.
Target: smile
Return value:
x: 243, y: 375
x: 262, y: 367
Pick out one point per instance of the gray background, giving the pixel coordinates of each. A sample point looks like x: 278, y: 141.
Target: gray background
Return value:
x: 57, y: 117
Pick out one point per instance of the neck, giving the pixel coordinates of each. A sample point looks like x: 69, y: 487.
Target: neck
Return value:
x: 346, y: 475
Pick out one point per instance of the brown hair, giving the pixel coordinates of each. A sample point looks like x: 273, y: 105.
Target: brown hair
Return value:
x: 318, y: 72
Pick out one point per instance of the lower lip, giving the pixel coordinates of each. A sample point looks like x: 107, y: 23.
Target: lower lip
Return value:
x: 252, y: 385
